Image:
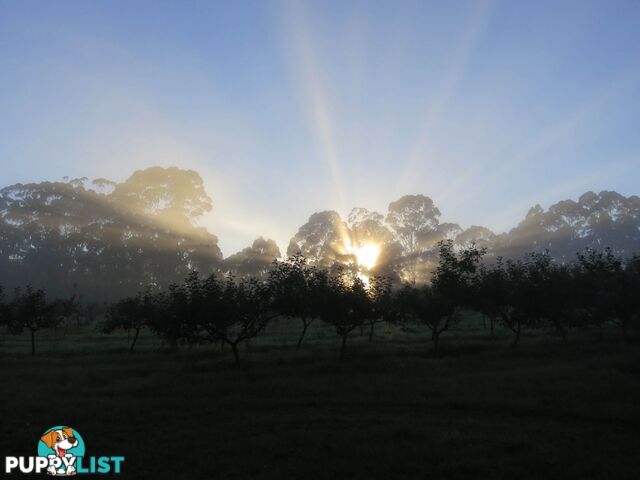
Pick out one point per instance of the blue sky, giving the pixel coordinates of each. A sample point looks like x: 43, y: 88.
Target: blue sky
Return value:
x: 287, y: 108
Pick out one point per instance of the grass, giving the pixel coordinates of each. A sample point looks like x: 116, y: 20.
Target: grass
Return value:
x: 391, y: 409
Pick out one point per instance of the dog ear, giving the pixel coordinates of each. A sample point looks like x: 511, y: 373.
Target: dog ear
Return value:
x: 69, y: 432
x: 49, y: 438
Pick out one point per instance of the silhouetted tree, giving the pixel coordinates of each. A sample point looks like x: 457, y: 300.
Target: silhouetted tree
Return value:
x: 234, y: 312
x: 383, y: 306
x: 502, y: 294
x: 345, y: 305
x: 296, y: 287
x: 549, y: 289
x: 132, y: 313
x: 31, y: 311
x: 428, y: 307
x: 4, y: 309
x: 625, y: 302
x: 630, y: 312
x: 178, y: 311
x: 452, y: 287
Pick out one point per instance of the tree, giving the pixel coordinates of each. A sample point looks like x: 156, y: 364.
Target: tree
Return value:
x: 491, y: 292
x: 178, y: 309
x: 549, y: 292
x: 132, y: 313
x: 296, y: 287
x: 382, y: 303
x: 322, y: 240
x: 414, y: 220
x: 568, y: 226
x: 502, y: 294
x: 625, y: 302
x: 31, y: 311
x: 426, y: 306
x: 438, y: 305
x: 4, y: 309
x: 517, y: 300
x: 234, y: 312
x: 255, y: 260
x: 345, y: 304
x: 111, y: 241
x: 629, y: 312
x: 67, y: 308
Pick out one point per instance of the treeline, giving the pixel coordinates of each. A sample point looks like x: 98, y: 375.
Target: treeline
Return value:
x: 534, y: 293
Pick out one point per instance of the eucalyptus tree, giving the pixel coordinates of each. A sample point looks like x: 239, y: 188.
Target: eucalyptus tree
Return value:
x: 111, y: 239
x: 255, y: 260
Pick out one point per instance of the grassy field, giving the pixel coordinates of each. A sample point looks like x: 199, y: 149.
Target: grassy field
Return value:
x: 391, y: 409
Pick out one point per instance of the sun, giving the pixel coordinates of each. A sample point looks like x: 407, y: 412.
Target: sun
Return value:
x: 367, y: 255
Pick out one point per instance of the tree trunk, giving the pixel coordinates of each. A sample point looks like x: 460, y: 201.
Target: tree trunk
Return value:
x: 492, y: 325
x: 236, y: 356
x: 305, y: 325
x: 517, y: 337
x: 371, y: 331
x: 135, y: 339
x: 436, y: 340
x: 343, y: 348
x: 33, y: 343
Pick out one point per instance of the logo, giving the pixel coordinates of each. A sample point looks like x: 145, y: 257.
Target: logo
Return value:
x: 61, y: 453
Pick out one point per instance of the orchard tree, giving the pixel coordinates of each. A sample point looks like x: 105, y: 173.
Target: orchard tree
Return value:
x: 626, y: 304
x: 31, y: 311
x: 426, y: 306
x: 296, y: 288
x: 491, y: 292
x: 132, y: 313
x: 178, y: 310
x: 4, y: 309
x: 548, y: 295
x: 345, y: 305
x: 383, y: 307
x: 234, y: 312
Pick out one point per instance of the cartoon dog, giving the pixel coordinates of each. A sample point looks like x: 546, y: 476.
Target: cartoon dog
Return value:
x: 60, y: 441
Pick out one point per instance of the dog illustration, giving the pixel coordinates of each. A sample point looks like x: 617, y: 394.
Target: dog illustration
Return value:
x: 60, y: 441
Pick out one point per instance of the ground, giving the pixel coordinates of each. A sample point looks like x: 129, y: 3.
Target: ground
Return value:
x: 391, y: 409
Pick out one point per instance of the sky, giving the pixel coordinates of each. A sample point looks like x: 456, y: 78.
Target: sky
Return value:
x: 291, y: 107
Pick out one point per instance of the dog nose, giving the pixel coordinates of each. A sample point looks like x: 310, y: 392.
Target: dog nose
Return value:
x: 72, y: 439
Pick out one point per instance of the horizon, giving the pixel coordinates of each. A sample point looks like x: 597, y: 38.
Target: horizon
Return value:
x: 286, y: 109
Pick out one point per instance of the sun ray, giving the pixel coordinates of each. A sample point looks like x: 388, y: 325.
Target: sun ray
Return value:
x: 307, y: 76
x: 461, y: 53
